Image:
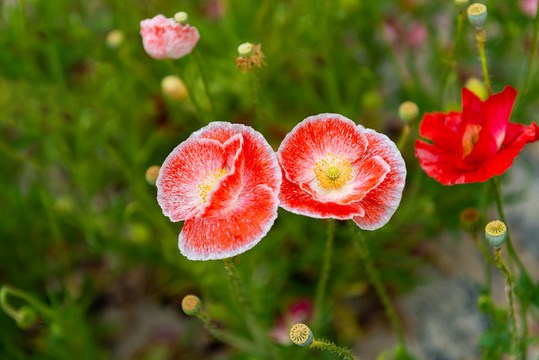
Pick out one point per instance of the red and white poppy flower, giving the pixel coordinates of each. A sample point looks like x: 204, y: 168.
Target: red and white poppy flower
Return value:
x: 223, y: 181
x: 165, y: 38
x: 333, y: 168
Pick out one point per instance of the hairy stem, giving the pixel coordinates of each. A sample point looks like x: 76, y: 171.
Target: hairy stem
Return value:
x: 322, y: 345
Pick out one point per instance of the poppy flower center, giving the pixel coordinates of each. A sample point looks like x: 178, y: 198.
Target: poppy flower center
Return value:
x: 470, y: 138
x: 208, y: 182
x: 332, y: 172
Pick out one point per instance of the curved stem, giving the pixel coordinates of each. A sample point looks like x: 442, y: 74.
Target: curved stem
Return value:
x: 403, y: 137
x: 381, y: 291
x: 509, y: 279
x: 6, y: 290
x: 256, y: 95
x: 324, y: 276
x: 481, y: 39
x: 322, y: 345
x: 223, y: 336
x: 190, y: 90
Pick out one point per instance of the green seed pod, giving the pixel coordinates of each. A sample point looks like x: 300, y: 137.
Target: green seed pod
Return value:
x: 408, y: 111
x: 496, y: 233
x: 301, y: 335
x: 477, y: 14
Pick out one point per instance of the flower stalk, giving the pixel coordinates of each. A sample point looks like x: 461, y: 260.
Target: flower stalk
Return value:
x: 481, y: 39
x: 301, y: 335
x: 509, y: 279
x: 198, y: 61
x: 381, y: 291
x: 324, y: 276
x: 21, y: 315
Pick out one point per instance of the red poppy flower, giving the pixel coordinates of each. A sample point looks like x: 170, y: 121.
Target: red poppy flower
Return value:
x: 223, y: 181
x: 475, y: 144
x: 165, y: 38
x: 333, y: 168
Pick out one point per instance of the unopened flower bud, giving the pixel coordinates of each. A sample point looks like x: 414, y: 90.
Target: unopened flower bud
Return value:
x: 301, y: 335
x: 152, y: 173
x: 245, y: 49
x: 191, y: 305
x: 470, y: 220
x: 408, y: 111
x: 496, y: 233
x: 27, y: 317
x: 115, y: 39
x: 181, y: 17
x: 477, y: 14
x: 174, y: 88
x: 461, y: 3
x: 477, y: 87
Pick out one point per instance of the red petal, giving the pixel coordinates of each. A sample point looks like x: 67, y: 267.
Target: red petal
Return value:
x: 182, y: 172
x: 262, y: 167
x: 442, y: 129
x: 314, y: 138
x: 493, y: 117
x: 381, y: 202
x: 298, y: 201
x: 230, y: 235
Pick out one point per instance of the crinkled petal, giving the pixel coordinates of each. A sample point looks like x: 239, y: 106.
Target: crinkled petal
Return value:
x: 298, y: 201
x: 261, y: 166
x: 442, y: 129
x: 314, y: 138
x: 226, y: 190
x: 182, y: 172
x: 382, y: 201
x: 234, y: 233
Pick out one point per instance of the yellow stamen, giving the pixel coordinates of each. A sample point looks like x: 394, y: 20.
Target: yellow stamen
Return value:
x: 332, y: 172
x: 209, y: 181
x: 470, y: 138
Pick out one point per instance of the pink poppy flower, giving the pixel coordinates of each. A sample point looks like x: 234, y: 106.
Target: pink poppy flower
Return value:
x: 223, y: 181
x: 165, y: 38
x: 333, y: 168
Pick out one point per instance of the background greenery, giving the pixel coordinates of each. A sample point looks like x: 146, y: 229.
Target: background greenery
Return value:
x: 80, y: 123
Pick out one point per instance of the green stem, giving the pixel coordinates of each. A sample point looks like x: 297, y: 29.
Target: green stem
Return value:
x: 452, y: 54
x: 225, y: 337
x: 190, y: 90
x: 238, y: 293
x: 531, y: 54
x: 380, y: 290
x: 6, y: 291
x: 509, y: 279
x: 256, y: 94
x: 403, y: 137
x: 508, y: 242
x: 481, y: 39
x: 489, y: 260
x: 322, y: 345
x: 198, y: 60
x: 324, y: 276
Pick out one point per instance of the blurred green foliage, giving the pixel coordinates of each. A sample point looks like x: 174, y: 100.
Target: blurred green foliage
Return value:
x: 80, y: 123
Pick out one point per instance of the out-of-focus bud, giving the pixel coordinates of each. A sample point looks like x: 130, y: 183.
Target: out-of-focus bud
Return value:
x: 461, y: 3
x: 27, y: 317
x: 408, y: 111
x: 470, y: 220
x: 191, y: 305
x: 477, y: 87
x: 477, y: 14
x: 181, y: 17
x: 496, y: 233
x: 115, y: 38
x: 152, y: 173
x: 245, y: 49
x: 174, y: 88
